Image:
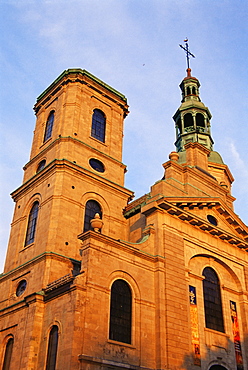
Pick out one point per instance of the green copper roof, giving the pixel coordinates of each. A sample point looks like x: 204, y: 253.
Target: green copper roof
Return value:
x: 83, y: 72
x: 215, y: 157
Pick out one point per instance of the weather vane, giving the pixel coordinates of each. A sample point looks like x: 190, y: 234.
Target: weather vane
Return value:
x: 186, y: 49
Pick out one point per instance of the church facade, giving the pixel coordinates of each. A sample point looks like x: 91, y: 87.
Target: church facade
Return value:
x: 96, y: 280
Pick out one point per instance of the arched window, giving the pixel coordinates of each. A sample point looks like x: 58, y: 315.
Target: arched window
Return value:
x: 188, y: 90
x: 49, y: 126
x: 188, y: 120
x: 212, y: 300
x: 98, y: 125
x: 8, y: 354
x: 32, y: 221
x: 120, y: 327
x: 200, y: 120
x: 92, y: 207
x: 193, y: 90
x: 217, y: 367
x: 52, y: 348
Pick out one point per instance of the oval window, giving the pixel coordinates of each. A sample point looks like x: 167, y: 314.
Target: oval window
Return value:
x: 21, y: 287
x: 41, y: 165
x: 97, y: 165
x: 212, y: 220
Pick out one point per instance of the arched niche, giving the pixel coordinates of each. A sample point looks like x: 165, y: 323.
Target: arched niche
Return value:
x: 226, y: 273
x: 200, y: 121
x: 188, y: 120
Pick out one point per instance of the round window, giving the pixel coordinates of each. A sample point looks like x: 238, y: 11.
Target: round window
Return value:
x: 97, y: 165
x: 212, y: 220
x: 21, y: 287
x: 41, y: 165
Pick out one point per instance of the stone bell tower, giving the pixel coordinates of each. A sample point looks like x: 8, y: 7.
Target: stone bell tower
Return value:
x: 75, y: 171
x: 76, y: 156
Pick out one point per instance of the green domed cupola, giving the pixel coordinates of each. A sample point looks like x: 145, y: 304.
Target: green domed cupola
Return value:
x: 192, y: 117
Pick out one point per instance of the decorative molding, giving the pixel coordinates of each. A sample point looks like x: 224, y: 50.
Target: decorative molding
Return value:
x: 111, y: 363
x: 177, y: 209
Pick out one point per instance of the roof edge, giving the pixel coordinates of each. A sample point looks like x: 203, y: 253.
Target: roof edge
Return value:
x: 83, y: 72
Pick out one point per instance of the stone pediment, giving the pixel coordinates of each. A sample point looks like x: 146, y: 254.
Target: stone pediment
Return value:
x: 194, y: 211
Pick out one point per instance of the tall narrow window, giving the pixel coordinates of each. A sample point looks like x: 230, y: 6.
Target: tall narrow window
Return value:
x: 212, y: 300
x: 49, y: 126
x: 98, y: 125
x: 92, y: 207
x: 32, y: 221
x: 52, y: 348
x: 8, y: 354
x: 120, y: 312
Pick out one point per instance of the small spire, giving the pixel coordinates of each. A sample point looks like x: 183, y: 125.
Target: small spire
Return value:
x: 188, y: 55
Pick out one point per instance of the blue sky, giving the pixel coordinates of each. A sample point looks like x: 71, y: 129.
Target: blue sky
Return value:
x: 133, y: 46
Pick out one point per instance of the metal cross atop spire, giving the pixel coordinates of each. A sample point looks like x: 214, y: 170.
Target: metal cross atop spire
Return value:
x: 186, y: 49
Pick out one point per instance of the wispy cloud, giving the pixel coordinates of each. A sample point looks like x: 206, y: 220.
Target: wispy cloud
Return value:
x: 133, y: 46
x: 239, y: 163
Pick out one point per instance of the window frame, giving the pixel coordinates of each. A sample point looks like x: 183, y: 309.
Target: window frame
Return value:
x: 49, y: 126
x: 21, y: 287
x: 52, y: 348
x: 41, y: 165
x: 32, y: 224
x: 98, y: 125
x: 97, y: 165
x: 121, y: 312
x: 8, y: 353
x: 213, y: 310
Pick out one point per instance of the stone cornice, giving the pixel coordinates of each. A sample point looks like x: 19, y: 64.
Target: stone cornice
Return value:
x: 216, y: 203
x: 224, y: 167
x: 133, y: 248
x: 177, y: 209
x: 83, y: 77
x: 111, y: 363
x: 27, y: 301
x: 65, y: 163
x: 36, y: 259
x: 74, y: 140
x: 200, y: 147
